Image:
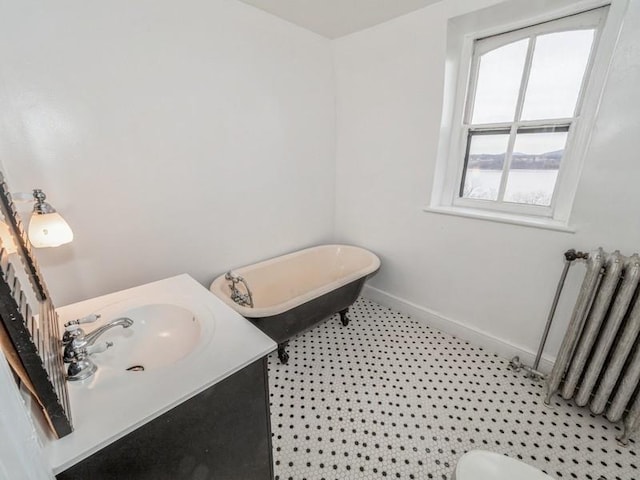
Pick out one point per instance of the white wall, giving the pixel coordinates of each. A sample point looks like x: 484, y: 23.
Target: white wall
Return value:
x: 20, y: 451
x: 490, y: 282
x: 173, y: 136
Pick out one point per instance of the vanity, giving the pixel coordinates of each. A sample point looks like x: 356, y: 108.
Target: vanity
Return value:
x: 181, y: 394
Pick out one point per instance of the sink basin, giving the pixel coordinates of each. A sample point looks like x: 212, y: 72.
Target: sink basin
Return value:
x: 162, y: 334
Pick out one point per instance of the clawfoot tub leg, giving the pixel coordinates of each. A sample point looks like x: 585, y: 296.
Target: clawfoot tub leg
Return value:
x: 282, y: 353
x: 343, y: 317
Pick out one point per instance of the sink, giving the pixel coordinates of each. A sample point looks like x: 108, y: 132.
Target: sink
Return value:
x: 182, y: 358
x: 162, y: 334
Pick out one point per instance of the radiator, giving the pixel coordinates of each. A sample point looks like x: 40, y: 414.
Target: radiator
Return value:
x: 598, y: 364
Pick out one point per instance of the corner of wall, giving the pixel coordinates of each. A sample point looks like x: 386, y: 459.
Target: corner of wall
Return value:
x: 334, y: 233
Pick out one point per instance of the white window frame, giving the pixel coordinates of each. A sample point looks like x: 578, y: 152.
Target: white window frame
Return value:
x: 454, y: 134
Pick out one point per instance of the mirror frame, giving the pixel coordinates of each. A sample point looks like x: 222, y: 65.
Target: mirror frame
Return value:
x: 35, y: 340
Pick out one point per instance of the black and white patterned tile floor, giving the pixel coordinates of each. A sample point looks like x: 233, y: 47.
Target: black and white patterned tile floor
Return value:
x: 389, y: 397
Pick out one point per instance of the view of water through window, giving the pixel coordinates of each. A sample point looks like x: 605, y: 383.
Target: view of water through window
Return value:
x: 525, y: 93
x: 533, y: 187
x: 533, y: 170
x: 531, y: 180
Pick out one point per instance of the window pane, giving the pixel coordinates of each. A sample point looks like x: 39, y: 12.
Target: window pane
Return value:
x: 484, y: 165
x: 534, y: 166
x: 498, y: 85
x: 557, y: 70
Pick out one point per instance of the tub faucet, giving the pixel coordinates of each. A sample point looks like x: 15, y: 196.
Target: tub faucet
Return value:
x: 243, y: 299
x: 77, y: 351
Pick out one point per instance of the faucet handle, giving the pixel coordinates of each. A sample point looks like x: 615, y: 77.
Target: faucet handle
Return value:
x: 73, y: 353
x: 99, y: 348
x: 71, y: 332
x: 72, y: 328
x: 87, y: 319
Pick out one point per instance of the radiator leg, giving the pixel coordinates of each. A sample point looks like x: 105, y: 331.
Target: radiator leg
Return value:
x: 623, y: 439
x: 631, y: 423
x: 546, y: 399
x: 547, y: 395
x: 343, y: 316
x: 282, y: 353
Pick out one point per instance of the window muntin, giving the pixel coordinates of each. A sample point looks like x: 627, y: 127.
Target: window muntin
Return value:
x: 525, y: 85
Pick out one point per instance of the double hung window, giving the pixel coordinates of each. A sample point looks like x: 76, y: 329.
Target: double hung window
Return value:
x: 526, y: 89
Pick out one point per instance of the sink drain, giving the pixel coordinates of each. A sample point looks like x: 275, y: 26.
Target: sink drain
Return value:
x: 136, y: 368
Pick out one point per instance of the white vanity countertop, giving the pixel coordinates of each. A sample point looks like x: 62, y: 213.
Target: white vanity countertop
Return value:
x: 111, y: 403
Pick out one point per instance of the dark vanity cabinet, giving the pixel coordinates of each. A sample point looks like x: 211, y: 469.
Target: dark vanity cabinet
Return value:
x: 222, y: 433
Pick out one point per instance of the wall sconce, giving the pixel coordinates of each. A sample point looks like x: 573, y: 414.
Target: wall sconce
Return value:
x: 47, y: 228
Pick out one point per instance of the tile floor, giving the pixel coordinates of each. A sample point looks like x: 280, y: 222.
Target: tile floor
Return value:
x: 388, y: 397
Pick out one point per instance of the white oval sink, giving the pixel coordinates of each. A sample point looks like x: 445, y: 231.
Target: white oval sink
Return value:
x: 161, y: 335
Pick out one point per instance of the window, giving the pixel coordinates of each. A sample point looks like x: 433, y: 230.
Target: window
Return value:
x: 519, y: 133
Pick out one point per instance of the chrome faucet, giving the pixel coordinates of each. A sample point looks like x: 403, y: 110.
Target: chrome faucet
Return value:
x: 91, y: 338
x: 79, y: 346
x: 243, y: 299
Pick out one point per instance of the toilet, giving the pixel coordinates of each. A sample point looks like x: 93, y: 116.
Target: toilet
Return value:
x: 483, y: 465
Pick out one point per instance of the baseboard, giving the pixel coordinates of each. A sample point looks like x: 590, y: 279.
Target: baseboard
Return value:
x: 475, y: 336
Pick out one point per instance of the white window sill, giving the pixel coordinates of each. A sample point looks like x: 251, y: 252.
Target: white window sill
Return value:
x: 543, y: 223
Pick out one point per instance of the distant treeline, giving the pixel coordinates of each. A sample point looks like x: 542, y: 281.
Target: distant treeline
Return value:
x: 519, y: 161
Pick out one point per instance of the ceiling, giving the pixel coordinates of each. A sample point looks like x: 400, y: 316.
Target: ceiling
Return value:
x: 336, y: 18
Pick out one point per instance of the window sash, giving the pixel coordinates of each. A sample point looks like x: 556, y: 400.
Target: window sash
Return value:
x: 589, y: 19
x: 585, y: 20
x: 560, y: 125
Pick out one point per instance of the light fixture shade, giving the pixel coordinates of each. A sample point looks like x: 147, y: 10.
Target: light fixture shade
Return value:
x: 7, y: 239
x: 49, y: 230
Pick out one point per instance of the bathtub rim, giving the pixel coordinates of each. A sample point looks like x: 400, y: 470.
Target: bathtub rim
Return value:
x: 261, y: 312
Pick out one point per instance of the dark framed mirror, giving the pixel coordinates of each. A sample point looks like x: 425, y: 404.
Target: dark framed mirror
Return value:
x: 29, y: 323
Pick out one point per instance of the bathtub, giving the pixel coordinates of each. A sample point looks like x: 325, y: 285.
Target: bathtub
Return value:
x: 295, y: 292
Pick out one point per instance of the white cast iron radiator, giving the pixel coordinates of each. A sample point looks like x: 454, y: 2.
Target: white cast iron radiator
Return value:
x: 598, y: 363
